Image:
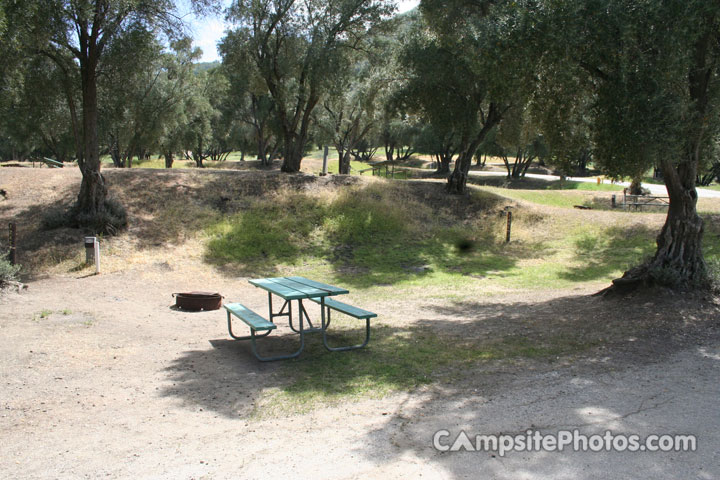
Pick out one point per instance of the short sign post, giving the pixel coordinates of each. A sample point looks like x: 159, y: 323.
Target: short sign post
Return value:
x: 13, y: 244
x: 325, y: 166
x: 509, y: 225
x: 92, y: 252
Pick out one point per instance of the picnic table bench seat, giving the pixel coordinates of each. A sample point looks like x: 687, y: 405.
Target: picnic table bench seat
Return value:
x: 256, y: 323
x: 52, y: 163
x: 346, y: 309
x: 359, y: 313
x: 252, y: 319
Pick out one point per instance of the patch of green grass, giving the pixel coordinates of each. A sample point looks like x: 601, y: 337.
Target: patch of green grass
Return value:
x: 269, y: 232
x: 587, y: 186
x: 42, y: 314
x: 152, y: 162
x: 395, y: 360
x: 652, y: 180
x: 552, y: 198
x: 376, y: 236
x: 361, y: 237
x: 606, y: 253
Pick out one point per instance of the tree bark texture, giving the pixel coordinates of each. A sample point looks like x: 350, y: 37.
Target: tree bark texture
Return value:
x: 678, y: 260
x: 457, y: 181
x: 93, y: 191
x: 443, y: 167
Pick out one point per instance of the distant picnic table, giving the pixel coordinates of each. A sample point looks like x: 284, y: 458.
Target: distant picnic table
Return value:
x: 377, y: 167
x: 52, y: 163
x: 640, y: 201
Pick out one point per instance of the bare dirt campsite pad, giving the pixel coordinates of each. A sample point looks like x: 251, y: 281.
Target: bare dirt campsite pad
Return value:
x: 101, y: 378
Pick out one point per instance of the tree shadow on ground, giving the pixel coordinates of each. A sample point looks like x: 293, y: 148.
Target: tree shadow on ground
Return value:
x: 228, y: 379
x: 617, y: 248
x: 36, y: 245
x: 452, y: 346
x: 620, y: 384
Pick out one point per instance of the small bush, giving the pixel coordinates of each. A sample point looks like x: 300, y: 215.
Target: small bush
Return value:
x: 109, y: 220
x: 713, y: 272
x: 8, y: 271
x: 666, y: 277
x: 56, y: 217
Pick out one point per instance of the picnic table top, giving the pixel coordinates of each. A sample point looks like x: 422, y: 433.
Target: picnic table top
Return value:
x: 295, y: 288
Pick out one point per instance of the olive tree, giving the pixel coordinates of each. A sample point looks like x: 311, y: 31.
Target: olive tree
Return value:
x: 293, y: 45
x: 653, y: 69
x: 77, y: 35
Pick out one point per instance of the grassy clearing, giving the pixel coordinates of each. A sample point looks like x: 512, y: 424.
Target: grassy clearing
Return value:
x: 587, y: 186
x: 541, y: 184
x: 556, y: 198
x: 395, y: 360
x: 395, y: 234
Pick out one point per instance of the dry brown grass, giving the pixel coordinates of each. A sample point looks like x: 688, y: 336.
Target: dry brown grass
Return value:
x: 170, y: 211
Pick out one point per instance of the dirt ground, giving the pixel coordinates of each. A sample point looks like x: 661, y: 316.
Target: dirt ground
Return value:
x: 101, y: 377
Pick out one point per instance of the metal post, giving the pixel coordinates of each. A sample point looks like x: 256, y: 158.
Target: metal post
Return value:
x: 13, y: 244
x: 509, y: 224
x: 325, y: 167
x: 89, y: 250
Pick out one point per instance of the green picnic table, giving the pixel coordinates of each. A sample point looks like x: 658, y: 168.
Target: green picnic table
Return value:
x: 295, y: 289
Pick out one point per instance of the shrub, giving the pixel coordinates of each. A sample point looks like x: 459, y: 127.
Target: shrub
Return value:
x: 109, y: 220
x: 713, y: 272
x: 8, y: 271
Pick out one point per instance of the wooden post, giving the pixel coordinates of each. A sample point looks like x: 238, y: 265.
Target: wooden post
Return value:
x: 325, y: 167
x: 13, y: 243
x: 509, y: 225
x: 614, y: 202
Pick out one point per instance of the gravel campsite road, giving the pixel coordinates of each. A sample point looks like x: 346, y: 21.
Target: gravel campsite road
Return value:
x: 654, y: 189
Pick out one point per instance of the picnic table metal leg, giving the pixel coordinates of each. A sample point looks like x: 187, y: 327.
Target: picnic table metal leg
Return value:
x: 246, y: 337
x: 303, y: 316
x: 292, y: 327
x: 326, y: 325
x: 282, y: 312
x: 277, y: 357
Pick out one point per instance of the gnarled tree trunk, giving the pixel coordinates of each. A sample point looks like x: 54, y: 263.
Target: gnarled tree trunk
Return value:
x: 443, y: 166
x: 636, y: 186
x: 457, y: 181
x: 678, y: 260
x: 292, y: 153
x: 93, y: 192
x: 344, y: 167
